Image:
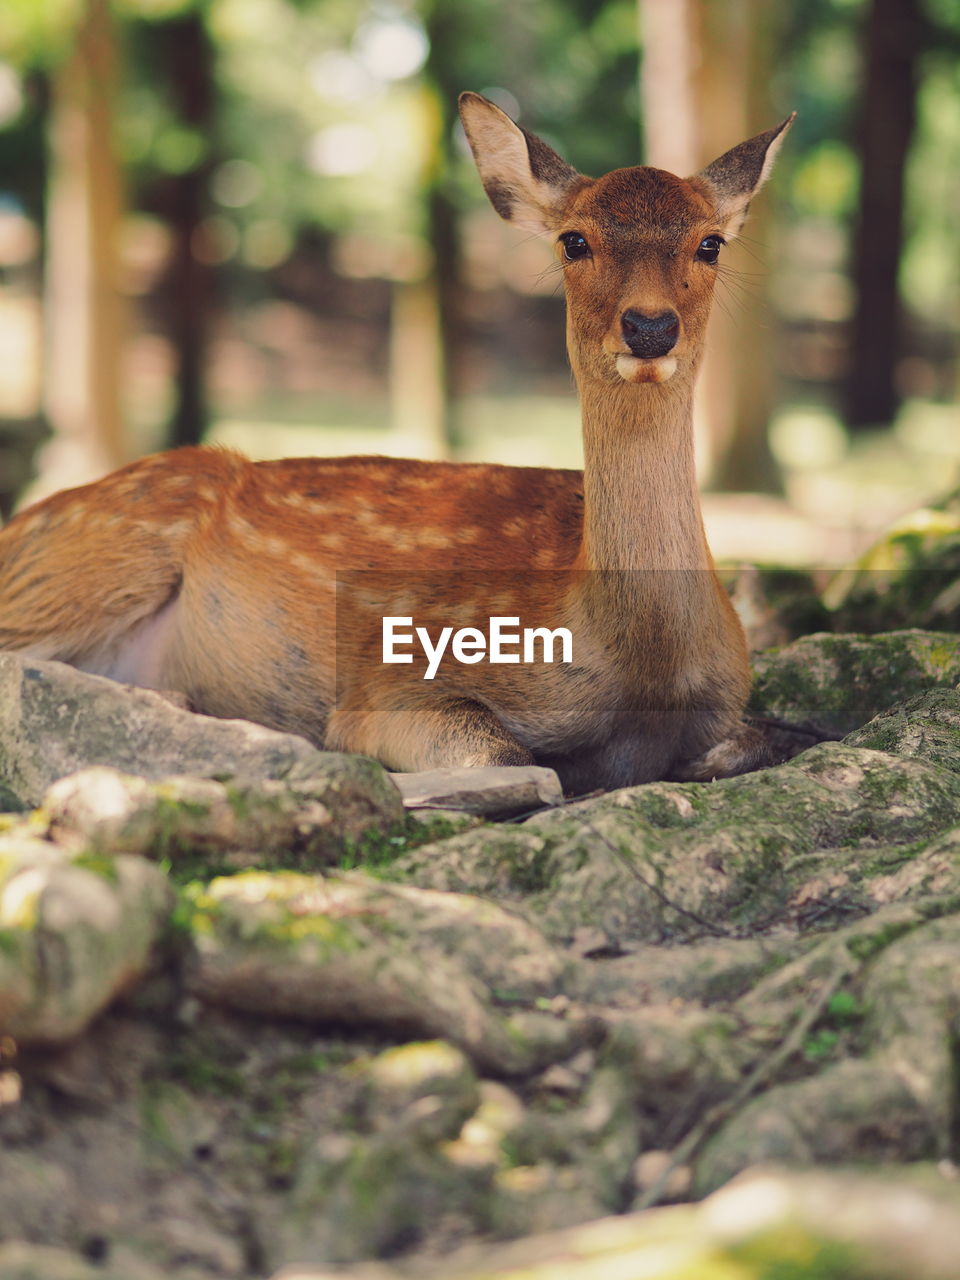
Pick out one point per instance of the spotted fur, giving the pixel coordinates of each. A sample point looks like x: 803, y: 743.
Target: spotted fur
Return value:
x: 256, y: 589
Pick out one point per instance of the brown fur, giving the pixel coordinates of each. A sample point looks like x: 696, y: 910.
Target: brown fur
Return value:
x: 257, y: 589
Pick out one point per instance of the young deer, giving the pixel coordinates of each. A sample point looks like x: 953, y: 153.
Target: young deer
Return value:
x: 258, y: 589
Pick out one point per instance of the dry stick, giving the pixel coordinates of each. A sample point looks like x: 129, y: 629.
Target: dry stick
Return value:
x: 806, y: 727
x: 514, y: 818
x: 716, y: 1116
x: 717, y: 930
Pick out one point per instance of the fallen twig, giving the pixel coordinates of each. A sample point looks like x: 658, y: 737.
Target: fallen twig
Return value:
x: 717, y: 930
x: 764, y: 1071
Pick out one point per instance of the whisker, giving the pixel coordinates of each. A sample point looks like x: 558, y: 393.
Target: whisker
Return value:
x: 721, y: 303
x: 725, y: 270
x: 748, y: 288
x: 757, y: 249
x: 555, y: 269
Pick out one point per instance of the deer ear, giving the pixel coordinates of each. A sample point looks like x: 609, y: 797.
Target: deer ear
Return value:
x: 732, y: 181
x: 526, y: 181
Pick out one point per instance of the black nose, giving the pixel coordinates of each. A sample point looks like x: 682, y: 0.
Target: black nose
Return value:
x: 650, y: 336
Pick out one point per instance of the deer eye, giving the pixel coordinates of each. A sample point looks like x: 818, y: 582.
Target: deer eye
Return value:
x: 574, y: 246
x: 709, y: 250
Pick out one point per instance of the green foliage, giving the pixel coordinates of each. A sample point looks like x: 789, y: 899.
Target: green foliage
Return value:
x: 842, y: 1007
x: 865, y: 946
x: 825, y: 180
x: 37, y: 34
x: 376, y: 851
x: 11, y: 806
x: 791, y: 1253
x: 821, y: 1044
x: 100, y: 865
x: 195, y: 912
x: 188, y: 868
x: 154, y: 9
x: 841, y: 1018
x: 909, y: 578
x: 205, y: 1066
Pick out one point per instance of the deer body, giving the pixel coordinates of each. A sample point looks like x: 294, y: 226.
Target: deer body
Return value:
x: 202, y: 572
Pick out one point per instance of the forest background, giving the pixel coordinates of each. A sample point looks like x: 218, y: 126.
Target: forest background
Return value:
x: 256, y: 222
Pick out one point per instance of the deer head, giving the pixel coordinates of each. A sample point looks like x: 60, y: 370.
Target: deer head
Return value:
x: 639, y: 247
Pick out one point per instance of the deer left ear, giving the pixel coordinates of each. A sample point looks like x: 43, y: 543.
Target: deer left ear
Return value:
x: 732, y: 181
x: 525, y: 180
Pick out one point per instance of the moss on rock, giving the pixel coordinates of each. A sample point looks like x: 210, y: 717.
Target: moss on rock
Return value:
x: 839, y: 682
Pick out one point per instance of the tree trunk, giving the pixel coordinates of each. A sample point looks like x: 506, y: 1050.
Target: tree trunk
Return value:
x: 82, y: 300
x: 189, y: 286
x: 448, y: 281
x: 448, y: 32
x: 704, y: 89
x: 421, y: 405
x: 887, y: 116
x: 417, y: 401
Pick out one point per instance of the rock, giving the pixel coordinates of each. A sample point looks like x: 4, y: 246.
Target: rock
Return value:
x: 22, y: 1261
x: 55, y: 721
x: 761, y: 624
x: 380, y: 1195
x: 73, y: 934
x: 856, y: 1111
x: 679, y: 862
x: 571, y: 1162
x: 199, y: 1245
x: 38, y: 1201
x: 500, y: 1169
x: 926, y: 727
x: 716, y: 974
x: 809, y: 1225
x: 298, y: 822
x: 838, y: 682
x: 427, y: 1090
x: 485, y: 1141
x: 776, y: 604
x: 933, y: 871
x: 701, y: 972
x: 909, y: 577
x: 455, y: 819
x: 360, y: 1194
x: 349, y: 950
x: 894, y: 1099
x: 653, y: 1166
x: 499, y: 792
x: 667, y: 1053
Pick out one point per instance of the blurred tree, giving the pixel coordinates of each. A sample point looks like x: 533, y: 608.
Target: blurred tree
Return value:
x: 23, y: 162
x: 560, y: 68
x: 450, y: 29
x: 930, y: 268
x: 82, y: 299
x: 893, y: 37
x: 705, y: 86
x: 255, y: 132
x: 181, y: 54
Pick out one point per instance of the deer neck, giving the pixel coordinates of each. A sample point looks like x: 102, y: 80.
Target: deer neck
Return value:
x: 641, y: 505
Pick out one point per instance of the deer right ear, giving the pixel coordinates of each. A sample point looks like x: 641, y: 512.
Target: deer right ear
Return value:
x: 526, y: 181
x: 733, y: 180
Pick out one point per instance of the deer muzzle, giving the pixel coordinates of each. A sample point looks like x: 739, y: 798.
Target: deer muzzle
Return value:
x: 650, y: 339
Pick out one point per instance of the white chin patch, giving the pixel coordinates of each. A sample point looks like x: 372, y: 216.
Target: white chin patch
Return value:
x: 633, y: 369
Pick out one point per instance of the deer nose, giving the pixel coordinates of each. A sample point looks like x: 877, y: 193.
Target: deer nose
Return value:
x: 650, y: 336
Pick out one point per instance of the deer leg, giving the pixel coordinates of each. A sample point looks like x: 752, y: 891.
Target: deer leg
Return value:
x: 454, y: 734
x: 744, y: 750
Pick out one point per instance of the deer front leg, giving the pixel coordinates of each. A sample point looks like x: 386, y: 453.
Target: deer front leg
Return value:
x: 450, y: 734
x: 744, y: 750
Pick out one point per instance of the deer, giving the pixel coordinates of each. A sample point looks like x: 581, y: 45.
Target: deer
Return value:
x: 258, y: 589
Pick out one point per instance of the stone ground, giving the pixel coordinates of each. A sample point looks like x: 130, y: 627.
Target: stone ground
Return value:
x: 257, y: 1019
